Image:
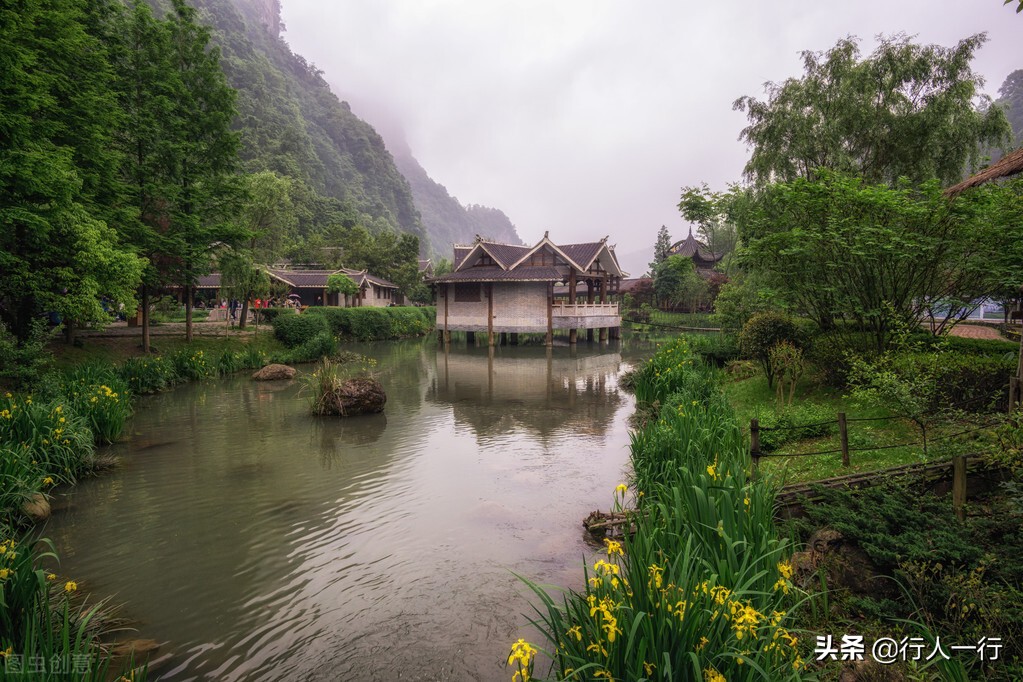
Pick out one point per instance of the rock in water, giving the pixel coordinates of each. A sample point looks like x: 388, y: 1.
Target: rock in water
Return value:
x: 355, y: 396
x: 274, y: 372
x: 36, y: 507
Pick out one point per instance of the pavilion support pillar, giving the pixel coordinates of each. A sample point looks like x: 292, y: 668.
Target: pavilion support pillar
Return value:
x: 514, y: 338
x: 572, y: 333
x: 603, y: 334
x: 550, y: 315
x: 444, y: 294
x: 490, y: 314
x: 470, y: 338
x: 504, y: 338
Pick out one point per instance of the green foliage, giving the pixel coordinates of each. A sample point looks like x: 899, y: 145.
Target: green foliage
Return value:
x: 59, y: 187
x: 739, y: 300
x: 962, y: 380
x: 961, y: 578
x: 376, y: 324
x: 703, y: 545
x: 662, y: 247
x: 878, y: 257
x: 916, y: 99
x: 795, y: 422
x: 761, y: 333
x: 340, y: 283
x: 21, y: 362
x: 294, y: 330
x: 323, y: 344
x: 786, y: 362
x: 676, y: 282
x: 45, y: 622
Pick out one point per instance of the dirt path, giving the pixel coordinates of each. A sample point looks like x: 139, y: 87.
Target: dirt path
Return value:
x: 976, y: 331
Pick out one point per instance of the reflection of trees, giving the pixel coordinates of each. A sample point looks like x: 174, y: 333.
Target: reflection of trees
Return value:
x: 538, y: 390
x: 338, y: 435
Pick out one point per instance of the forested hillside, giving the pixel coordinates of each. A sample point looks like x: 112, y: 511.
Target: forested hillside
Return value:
x: 445, y: 220
x: 292, y: 123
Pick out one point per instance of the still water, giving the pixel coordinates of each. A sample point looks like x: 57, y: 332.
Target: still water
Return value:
x: 257, y: 542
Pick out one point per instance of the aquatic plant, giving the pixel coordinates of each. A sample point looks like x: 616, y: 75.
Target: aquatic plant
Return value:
x: 47, y: 630
x: 701, y: 588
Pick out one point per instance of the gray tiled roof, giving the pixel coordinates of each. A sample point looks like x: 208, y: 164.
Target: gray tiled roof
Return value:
x: 496, y: 274
x: 582, y: 254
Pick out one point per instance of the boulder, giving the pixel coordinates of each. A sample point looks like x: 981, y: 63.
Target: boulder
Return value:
x: 36, y: 507
x: 274, y: 372
x: 361, y: 395
x: 846, y: 566
x: 869, y: 670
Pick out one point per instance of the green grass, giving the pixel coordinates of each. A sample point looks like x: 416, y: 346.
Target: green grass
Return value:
x: 751, y: 398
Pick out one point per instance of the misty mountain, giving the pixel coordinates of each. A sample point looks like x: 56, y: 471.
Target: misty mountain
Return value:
x: 444, y: 218
x: 292, y: 123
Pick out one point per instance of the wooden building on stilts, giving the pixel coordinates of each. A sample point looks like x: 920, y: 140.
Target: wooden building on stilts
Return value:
x: 510, y: 289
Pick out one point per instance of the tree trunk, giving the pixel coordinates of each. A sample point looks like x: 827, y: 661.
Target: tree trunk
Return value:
x: 245, y: 313
x: 189, y: 299
x: 69, y: 331
x: 145, y: 319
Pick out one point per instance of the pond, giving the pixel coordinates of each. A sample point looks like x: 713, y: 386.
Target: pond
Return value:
x: 257, y: 542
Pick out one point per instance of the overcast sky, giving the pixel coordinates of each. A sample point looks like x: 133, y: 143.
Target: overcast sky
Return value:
x: 586, y: 117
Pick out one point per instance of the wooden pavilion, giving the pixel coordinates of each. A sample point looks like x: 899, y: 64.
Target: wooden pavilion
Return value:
x: 507, y: 288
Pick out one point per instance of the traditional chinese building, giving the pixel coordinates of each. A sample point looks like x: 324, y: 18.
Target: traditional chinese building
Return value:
x: 311, y: 287
x: 506, y: 288
x: 691, y: 247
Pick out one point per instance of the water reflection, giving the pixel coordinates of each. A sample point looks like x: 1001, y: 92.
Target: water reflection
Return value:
x: 260, y: 542
x: 540, y: 391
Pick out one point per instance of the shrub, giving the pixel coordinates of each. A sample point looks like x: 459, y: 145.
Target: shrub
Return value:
x: 762, y: 332
x: 320, y: 346
x: 965, y: 381
x: 294, y: 330
x: 270, y: 314
x: 21, y: 364
x: 373, y: 324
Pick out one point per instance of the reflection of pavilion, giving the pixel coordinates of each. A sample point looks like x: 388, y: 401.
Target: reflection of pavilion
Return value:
x: 536, y: 389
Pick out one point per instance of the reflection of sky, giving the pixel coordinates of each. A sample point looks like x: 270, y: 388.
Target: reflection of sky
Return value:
x: 260, y: 542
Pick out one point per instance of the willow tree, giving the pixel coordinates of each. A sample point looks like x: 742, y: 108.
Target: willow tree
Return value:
x: 905, y: 111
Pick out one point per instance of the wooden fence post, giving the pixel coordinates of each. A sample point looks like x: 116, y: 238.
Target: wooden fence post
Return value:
x: 959, y: 486
x: 843, y: 435
x: 754, y: 444
x: 1013, y: 394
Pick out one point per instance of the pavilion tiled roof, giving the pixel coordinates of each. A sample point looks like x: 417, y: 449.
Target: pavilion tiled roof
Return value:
x: 493, y: 273
x: 691, y: 247
x: 582, y: 254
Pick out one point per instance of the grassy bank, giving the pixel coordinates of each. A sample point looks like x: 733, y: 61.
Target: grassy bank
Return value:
x: 702, y: 588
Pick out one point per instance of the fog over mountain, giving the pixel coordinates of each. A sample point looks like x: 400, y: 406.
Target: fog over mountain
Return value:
x: 586, y: 118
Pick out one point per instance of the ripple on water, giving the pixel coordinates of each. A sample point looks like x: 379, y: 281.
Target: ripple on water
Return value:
x: 262, y: 543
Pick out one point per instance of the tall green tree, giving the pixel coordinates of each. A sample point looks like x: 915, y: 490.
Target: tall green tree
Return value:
x: 662, y: 248
x: 906, y: 110
x: 878, y: 257
x: 58, y: 169
x: 205, y: 153
x: 715, y: 214
x: 676, y: 282
x: 1011, y: 100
